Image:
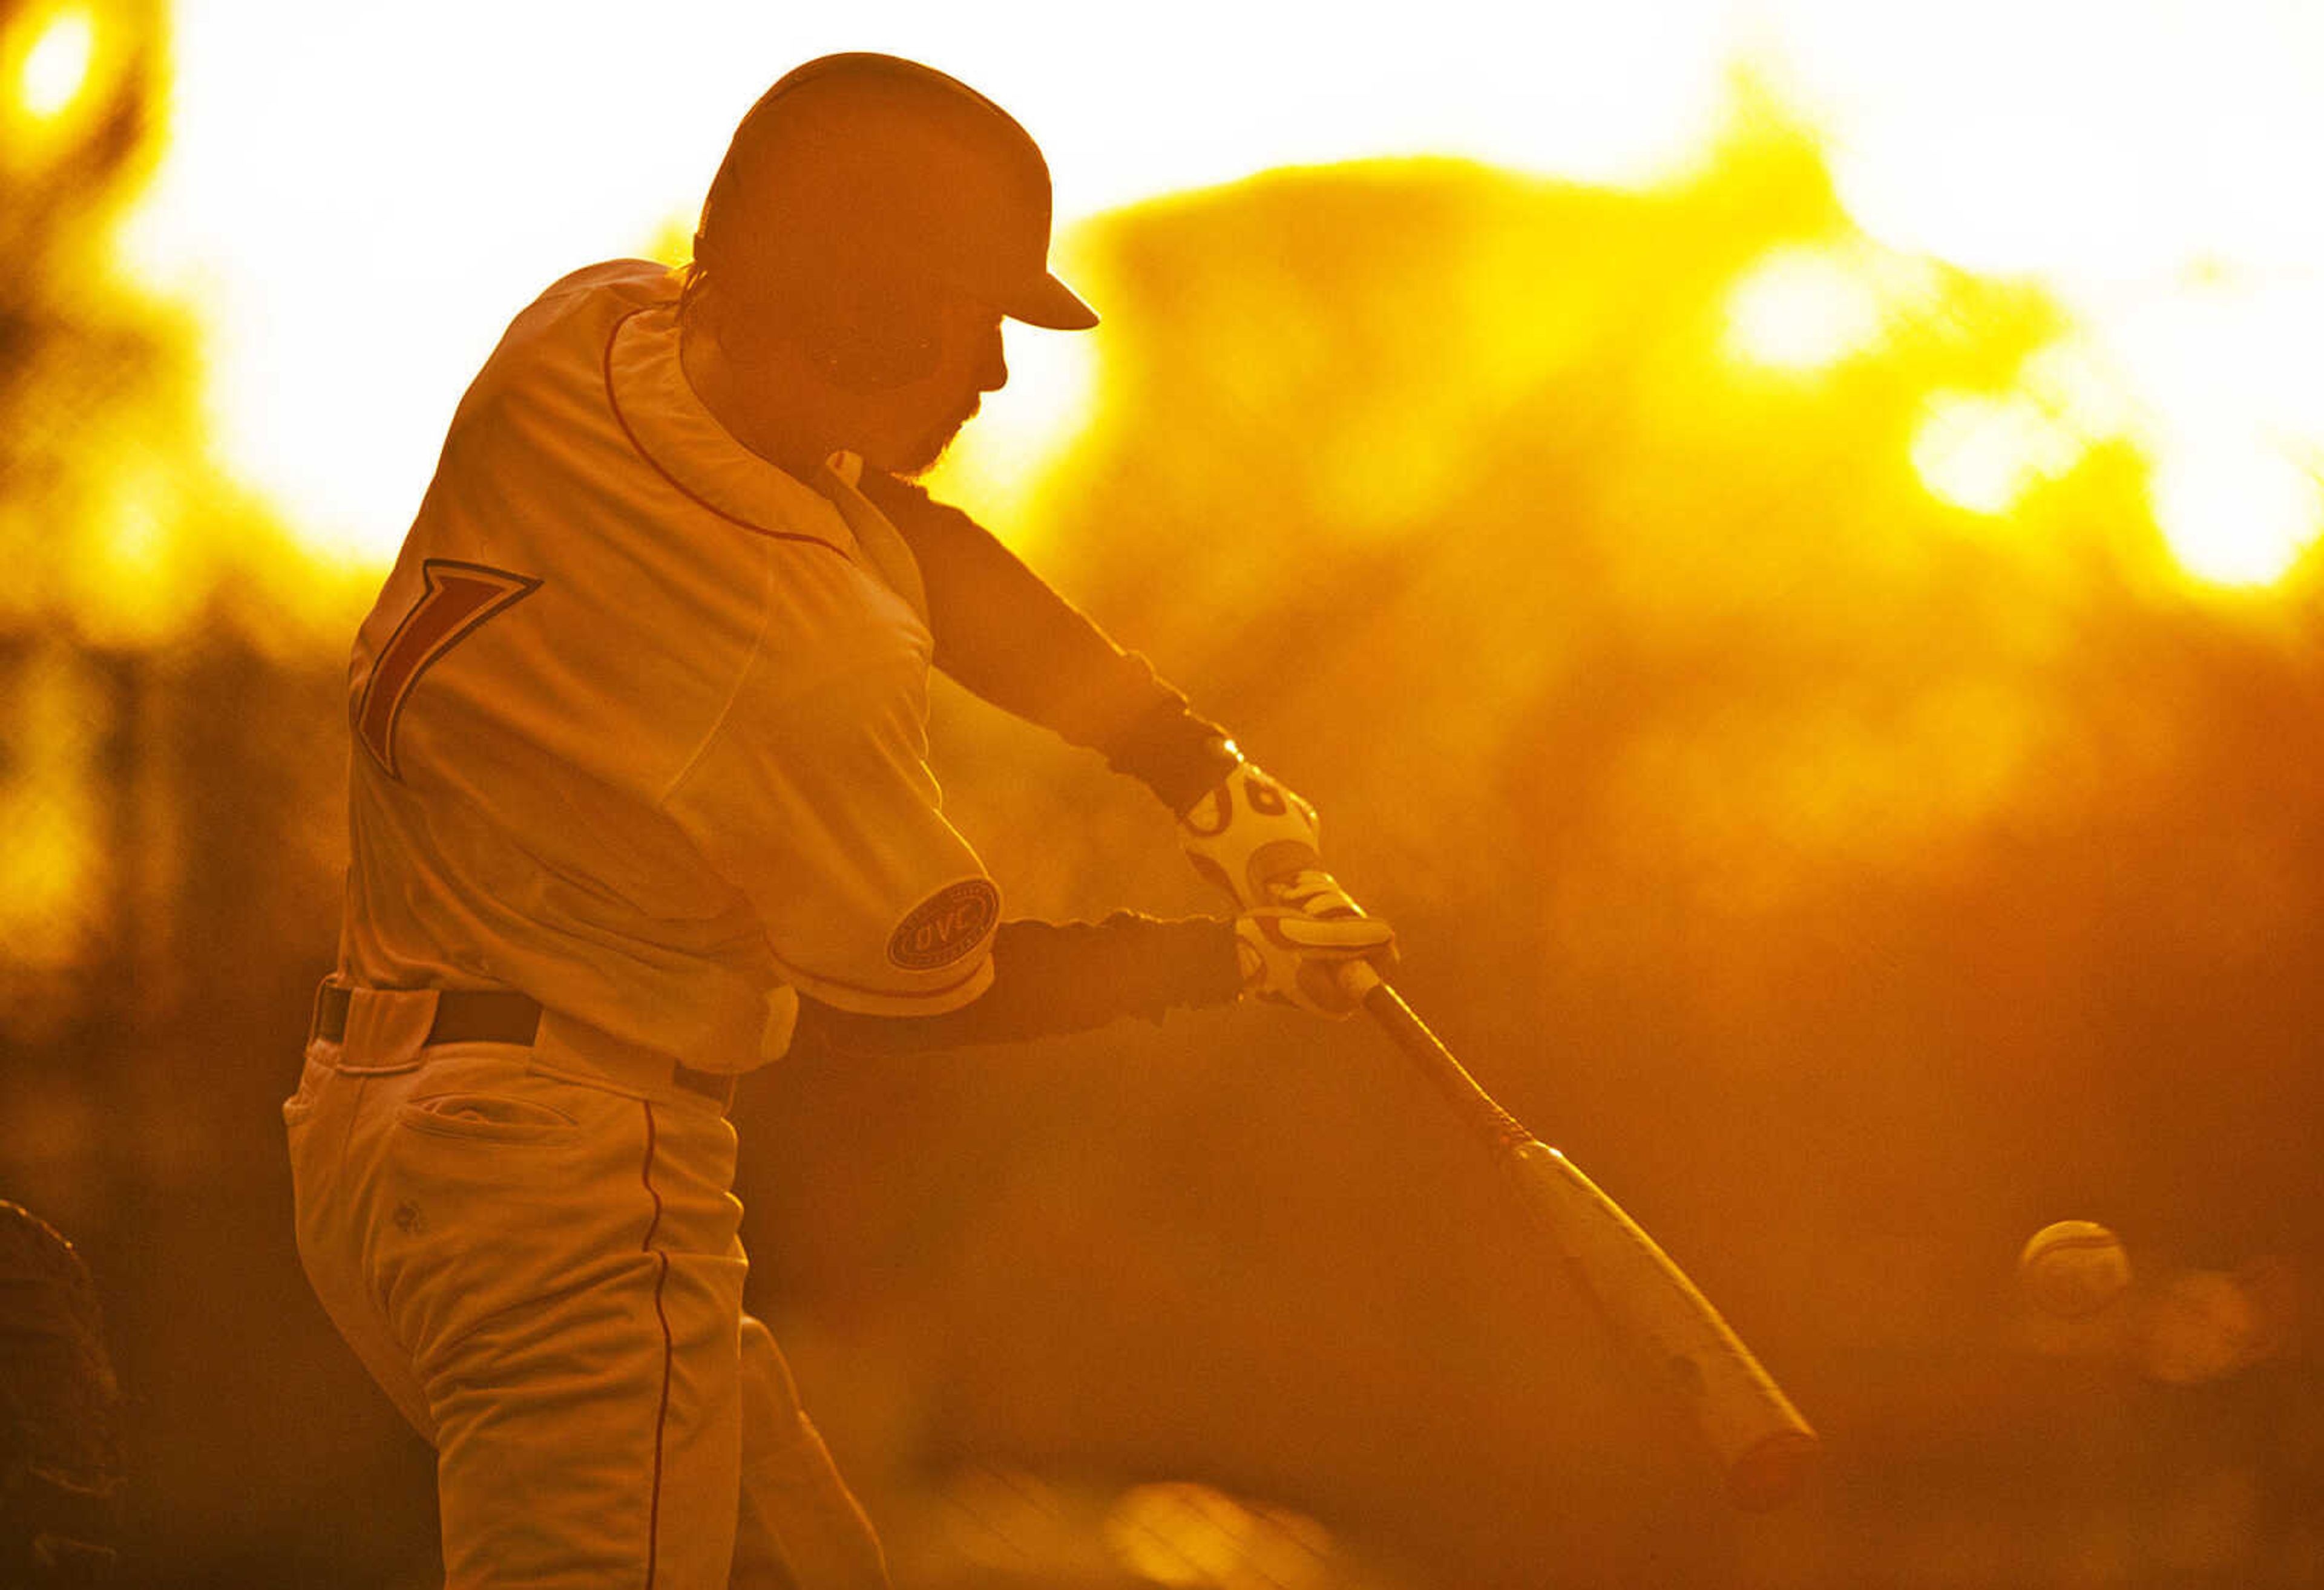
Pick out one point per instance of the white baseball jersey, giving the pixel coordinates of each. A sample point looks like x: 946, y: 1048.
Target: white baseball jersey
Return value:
x: 639, y: 719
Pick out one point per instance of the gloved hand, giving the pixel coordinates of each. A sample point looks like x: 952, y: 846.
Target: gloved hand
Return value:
x: 1248, y: 835
x: 1291, y: 956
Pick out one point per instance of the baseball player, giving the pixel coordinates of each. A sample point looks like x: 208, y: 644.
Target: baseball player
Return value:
x: 638, y: 800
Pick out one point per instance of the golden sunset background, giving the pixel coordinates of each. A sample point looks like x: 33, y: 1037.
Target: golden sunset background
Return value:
x: 1780, y: 537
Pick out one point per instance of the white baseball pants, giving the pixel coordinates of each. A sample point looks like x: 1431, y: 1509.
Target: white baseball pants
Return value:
x: 539, y: 1260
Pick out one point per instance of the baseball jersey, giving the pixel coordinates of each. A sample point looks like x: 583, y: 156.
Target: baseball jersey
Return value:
x: 639, y: 719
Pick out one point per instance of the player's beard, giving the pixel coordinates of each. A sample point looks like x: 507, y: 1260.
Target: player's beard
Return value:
x: 931, y: 445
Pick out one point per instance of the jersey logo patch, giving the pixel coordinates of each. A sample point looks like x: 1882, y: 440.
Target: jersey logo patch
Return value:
x: 946, y: 925
x: 459, y: 597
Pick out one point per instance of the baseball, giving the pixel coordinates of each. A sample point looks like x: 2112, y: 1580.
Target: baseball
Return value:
x: 2073, y: 1267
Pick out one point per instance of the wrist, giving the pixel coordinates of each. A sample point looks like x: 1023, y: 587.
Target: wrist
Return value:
x: 1216, y: 759
x: 1248, y: 832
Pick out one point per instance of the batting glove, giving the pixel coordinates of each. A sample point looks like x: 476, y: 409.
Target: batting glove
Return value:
x: 1292, y: 958
x: 1249, y: 834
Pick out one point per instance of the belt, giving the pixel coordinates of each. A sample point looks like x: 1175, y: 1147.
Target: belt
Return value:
x: 494, y: 1016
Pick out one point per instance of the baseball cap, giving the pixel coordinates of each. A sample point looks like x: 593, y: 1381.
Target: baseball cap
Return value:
x: 880, y: 168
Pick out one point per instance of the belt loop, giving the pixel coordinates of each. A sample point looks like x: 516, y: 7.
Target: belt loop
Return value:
x: 386, y: 1027
x: 322, y: 992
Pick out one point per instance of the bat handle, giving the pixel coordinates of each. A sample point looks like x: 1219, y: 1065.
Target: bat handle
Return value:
x: 1482, y: 1112
x: 1358, y: 980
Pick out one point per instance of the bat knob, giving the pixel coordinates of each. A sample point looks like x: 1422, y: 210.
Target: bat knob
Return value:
x: 1774, y: 1471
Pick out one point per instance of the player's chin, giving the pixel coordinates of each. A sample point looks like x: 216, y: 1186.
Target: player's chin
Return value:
x: 919, y: 456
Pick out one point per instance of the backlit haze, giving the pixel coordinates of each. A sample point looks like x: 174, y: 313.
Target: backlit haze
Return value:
x: 357, y: 199
x: 1774, y: 533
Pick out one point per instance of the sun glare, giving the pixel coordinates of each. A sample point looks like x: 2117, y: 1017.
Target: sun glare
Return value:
x: 1981, y: 452
x: 2234, y: 512
x: 1801, y: 309
x: 2230, y: 412
x: 57, y: 66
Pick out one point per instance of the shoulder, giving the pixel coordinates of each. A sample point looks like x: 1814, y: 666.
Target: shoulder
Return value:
x: 585, y: 304
x: 642, y: 279
x: 557, y: 342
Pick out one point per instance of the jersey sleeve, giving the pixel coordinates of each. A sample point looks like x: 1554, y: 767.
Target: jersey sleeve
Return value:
x: 1051, y: 978
x: 813, y: 798
x: 1005, y: 634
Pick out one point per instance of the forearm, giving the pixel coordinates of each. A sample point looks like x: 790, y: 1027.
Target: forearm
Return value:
x: 1004, y: 634
x: 1051, y: 978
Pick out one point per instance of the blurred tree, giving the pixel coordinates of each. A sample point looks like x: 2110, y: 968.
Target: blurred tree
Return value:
x: 170, y: 761
x: 85, y: 364
x: 92, y: 389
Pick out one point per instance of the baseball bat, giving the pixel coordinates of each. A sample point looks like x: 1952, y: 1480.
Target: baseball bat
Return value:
x: 1766, y: 1451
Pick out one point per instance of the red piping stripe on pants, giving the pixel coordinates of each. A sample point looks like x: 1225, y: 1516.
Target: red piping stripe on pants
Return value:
x: 661, y: 1414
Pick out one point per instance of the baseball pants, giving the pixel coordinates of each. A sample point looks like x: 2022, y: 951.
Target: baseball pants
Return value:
x: 534, y: 1250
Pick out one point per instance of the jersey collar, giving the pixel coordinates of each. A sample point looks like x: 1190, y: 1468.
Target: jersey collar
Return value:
x: 656, y: 406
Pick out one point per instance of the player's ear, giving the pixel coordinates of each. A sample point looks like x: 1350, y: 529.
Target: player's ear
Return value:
x: 865, y: 331
x: 709, y: 309
x: 875, y: 331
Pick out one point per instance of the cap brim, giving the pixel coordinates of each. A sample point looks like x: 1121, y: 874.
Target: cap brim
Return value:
x: 1049, y: 302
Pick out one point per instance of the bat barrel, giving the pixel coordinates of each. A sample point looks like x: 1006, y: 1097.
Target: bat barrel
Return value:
x: 1766, y: 1451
